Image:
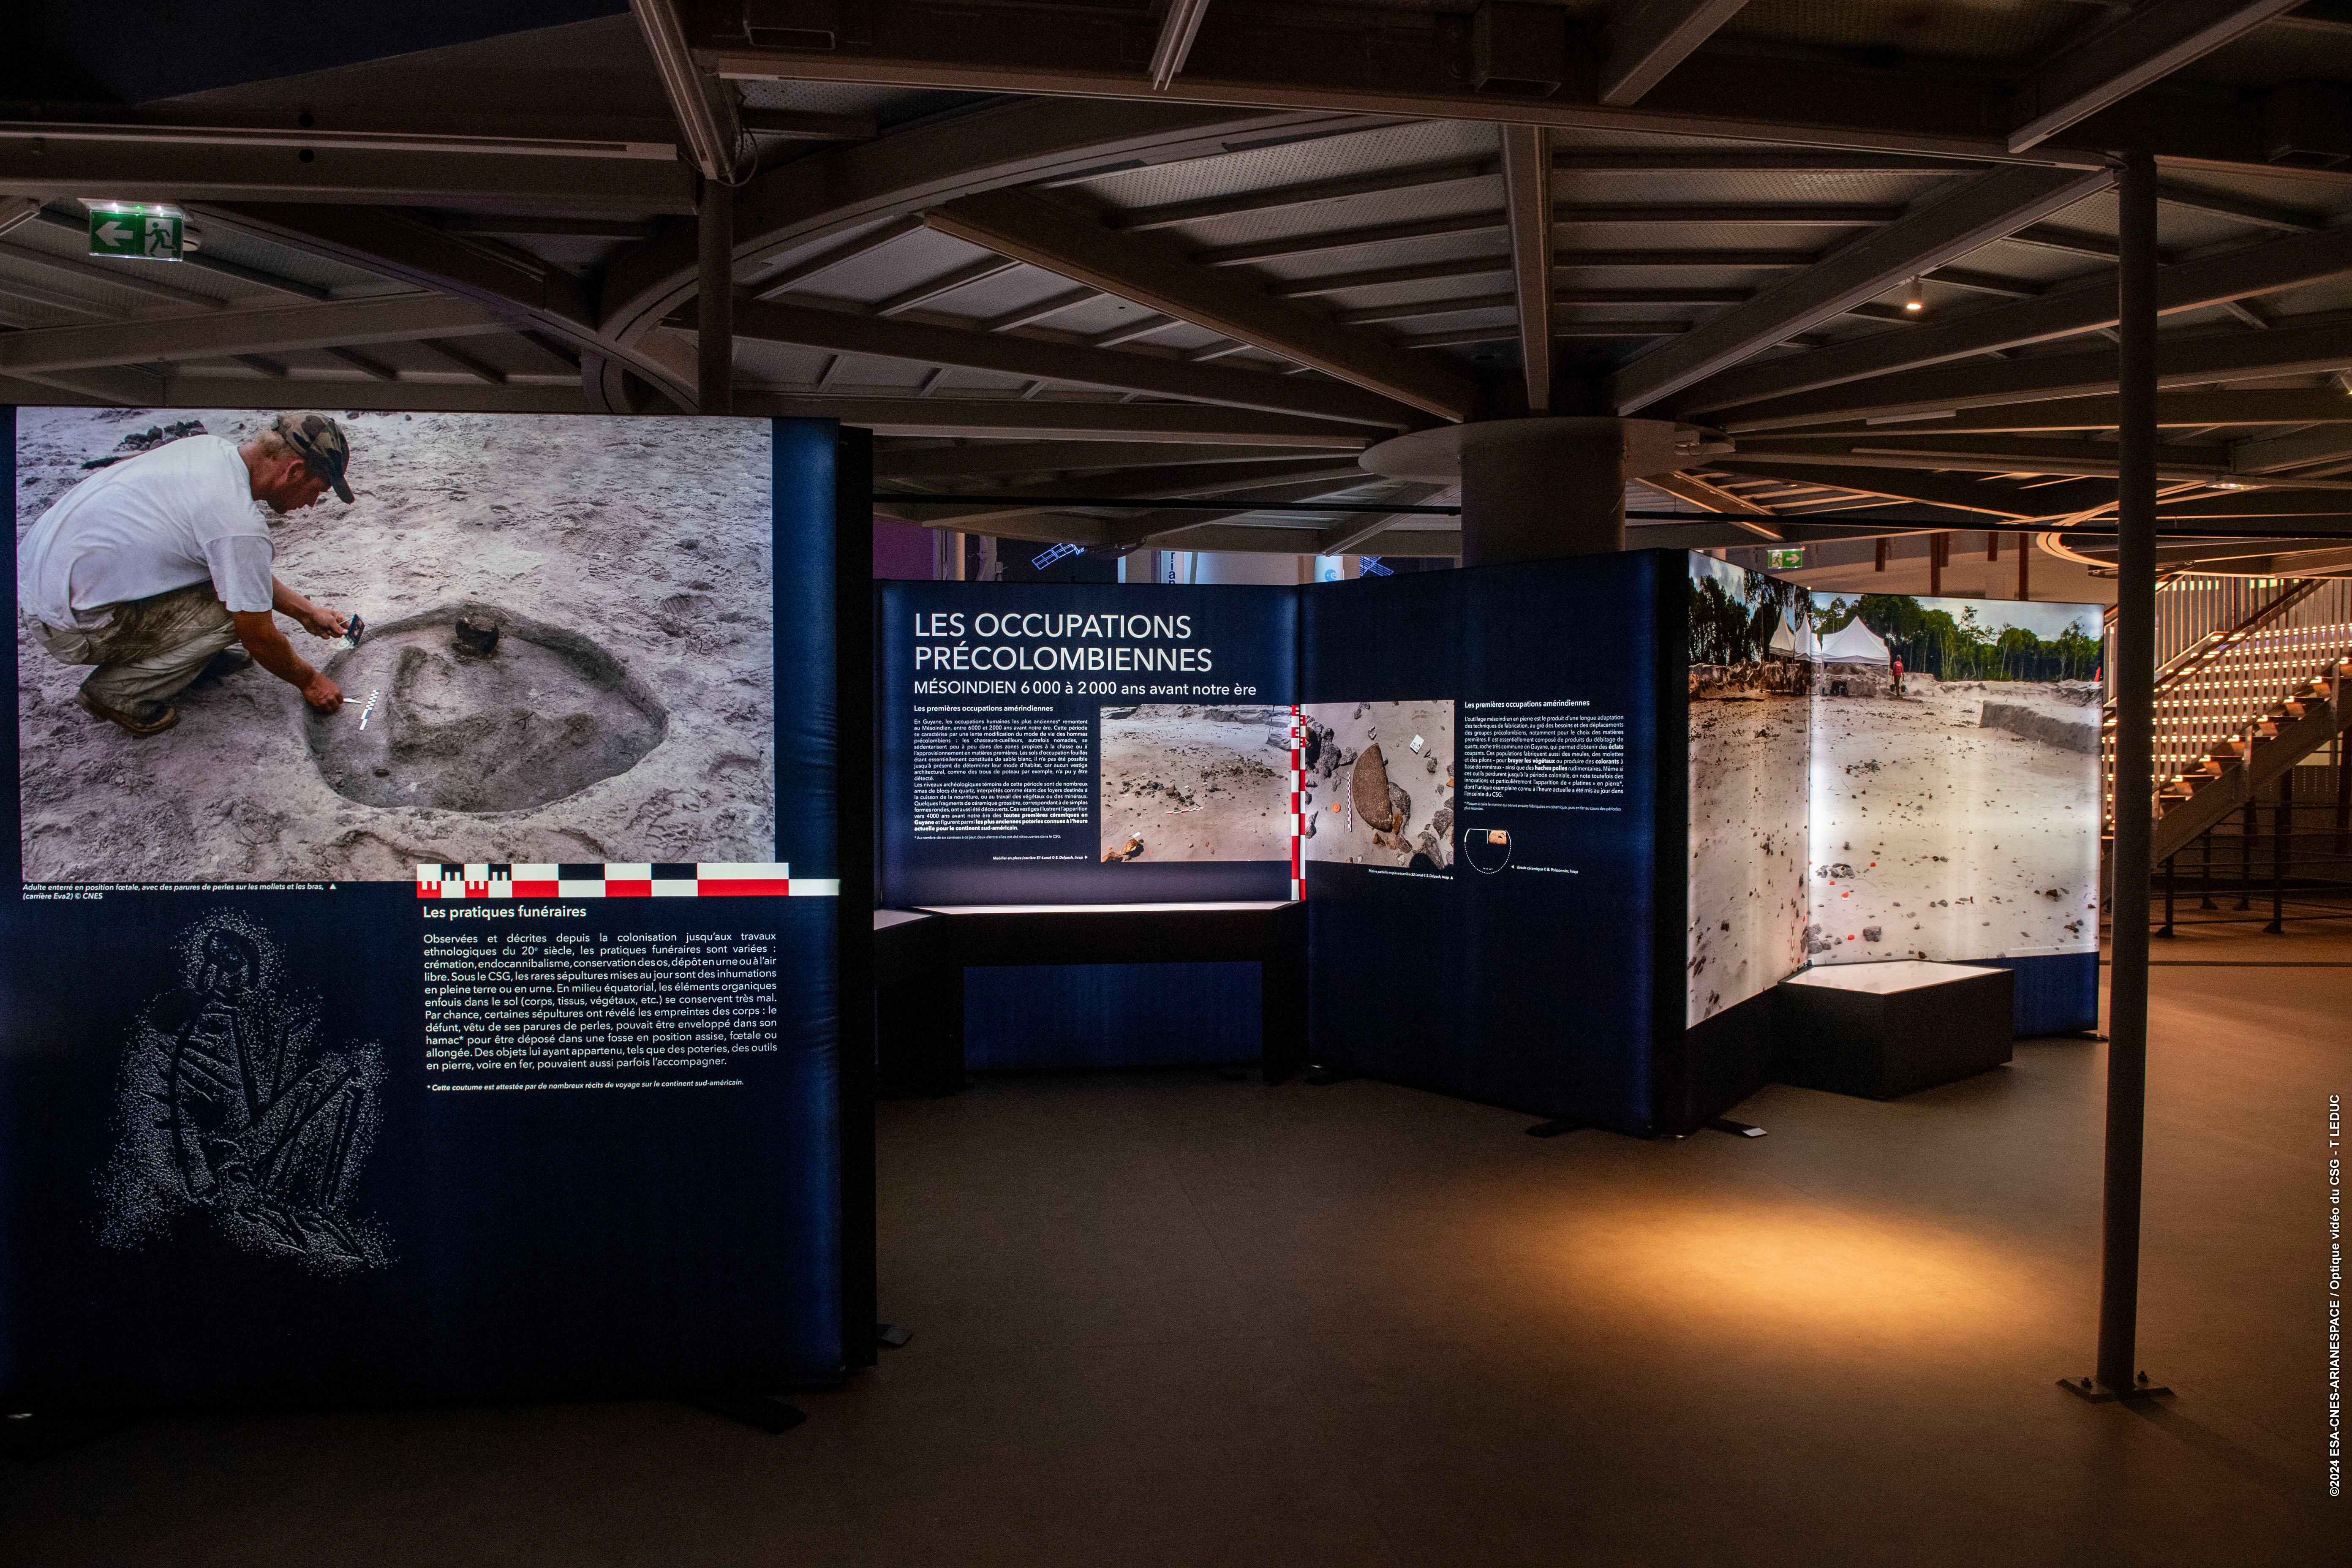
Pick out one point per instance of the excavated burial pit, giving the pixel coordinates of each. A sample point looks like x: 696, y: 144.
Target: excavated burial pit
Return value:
x: 543, y: 715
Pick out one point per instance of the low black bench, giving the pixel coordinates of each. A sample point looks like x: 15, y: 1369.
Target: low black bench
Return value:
x: 1885, y: 1029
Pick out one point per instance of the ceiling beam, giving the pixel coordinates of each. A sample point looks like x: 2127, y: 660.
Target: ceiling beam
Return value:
x: 518, y: 288
x: 119, y: 275
x: 2146, y: 45
x: 1350, y: 536
x: 2182, y: 361
x: 1716, y: 499
x: 53, y: 163
x: 798, y: 125
x: 373, y: 369
x: 1433, y: 543
x: 1007, y: 419
x: 1314, y: 192
x: 1930, y: 489
x: 2080, y: 307
x: 1025, y: 228
x: 1060, y: 456
x: 921, y: 294
x: 2259, y: 213
x: 1328, y: 472
x: 1781, y: 160
x: 1179, y: 22
x: 704, y: 106
x: 278, y: 330
x: 2326, y: 443
x: 1938, y: 231
x: 1253, y: 252
x: 205, y: 262
x: 1011, y: 354
x: 2175, y: 409
x: 2046, y: 458
x: 1793, y: 215
x: 1644, y: 40
x: 1527, y: 195
x: 1381, y: 60
x: 784, y: 279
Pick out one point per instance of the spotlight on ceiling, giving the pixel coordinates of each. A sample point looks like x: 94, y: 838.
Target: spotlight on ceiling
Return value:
x: 1915, y: 296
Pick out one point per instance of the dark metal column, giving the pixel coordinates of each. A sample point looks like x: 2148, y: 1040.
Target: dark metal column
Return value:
x: 2135, y: 678
x: 2282, y: 839
x: 715, y: 301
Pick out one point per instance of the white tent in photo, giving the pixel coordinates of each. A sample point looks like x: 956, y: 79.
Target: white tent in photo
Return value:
x: 1791, y: 642
x: 1854, y: 644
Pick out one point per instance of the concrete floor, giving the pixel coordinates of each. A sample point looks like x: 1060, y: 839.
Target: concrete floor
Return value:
x: 1160, y: 1319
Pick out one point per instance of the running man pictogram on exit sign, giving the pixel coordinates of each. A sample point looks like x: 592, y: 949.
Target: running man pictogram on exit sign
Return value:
x: 132, y: 230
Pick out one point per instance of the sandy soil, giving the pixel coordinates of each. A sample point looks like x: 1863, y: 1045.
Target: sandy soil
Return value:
x: 1425, y: 778
x: 649, y: 536
x: 1934, y: 837
x: 1748, y: 902
x: 1195, y: 783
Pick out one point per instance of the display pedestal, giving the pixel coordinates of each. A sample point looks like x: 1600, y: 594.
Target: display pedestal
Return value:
x: 1880, y: 1030
x: 920, y: 957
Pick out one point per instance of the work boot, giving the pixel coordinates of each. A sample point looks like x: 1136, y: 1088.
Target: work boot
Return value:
x: 227, y: 662
x: 160, y: 717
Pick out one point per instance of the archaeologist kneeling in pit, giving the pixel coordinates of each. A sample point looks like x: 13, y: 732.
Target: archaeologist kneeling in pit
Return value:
x: 153, y: 568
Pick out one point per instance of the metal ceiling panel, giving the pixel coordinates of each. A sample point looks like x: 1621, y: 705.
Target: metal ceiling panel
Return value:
x: 1749, y: 187
x: 1294, y: 164
x: 1412, y: 204
x: 1387, y: 253
x: 924, y: 257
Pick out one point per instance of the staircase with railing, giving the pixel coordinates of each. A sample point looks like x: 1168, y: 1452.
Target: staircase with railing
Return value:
x: 2251, y: 680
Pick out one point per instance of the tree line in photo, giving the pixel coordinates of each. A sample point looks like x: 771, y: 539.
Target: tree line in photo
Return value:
x: 1732, y: 627
x: 1961, y: 647
x: 1736, y: 628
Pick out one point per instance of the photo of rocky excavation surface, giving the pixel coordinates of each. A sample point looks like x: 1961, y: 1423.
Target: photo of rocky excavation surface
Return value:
x: 1379, y: 783
x: 1750, y: 811
x: 1959, y: 819
x: 625, y: 714
x: 1181, y: 782
x: 1749, y: 685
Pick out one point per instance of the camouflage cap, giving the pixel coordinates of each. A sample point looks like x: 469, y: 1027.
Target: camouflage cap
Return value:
x: 319, y: 442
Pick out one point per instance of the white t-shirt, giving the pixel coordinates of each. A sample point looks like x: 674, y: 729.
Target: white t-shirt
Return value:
x: 178, y: 514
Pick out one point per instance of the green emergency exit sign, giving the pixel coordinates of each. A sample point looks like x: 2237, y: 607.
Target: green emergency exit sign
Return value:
x: 1781, y: 559
x: 144, y: 233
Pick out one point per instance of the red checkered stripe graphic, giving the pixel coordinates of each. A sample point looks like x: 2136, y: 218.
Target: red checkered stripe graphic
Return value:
x: 614, y: 880
x: 1297, y: 802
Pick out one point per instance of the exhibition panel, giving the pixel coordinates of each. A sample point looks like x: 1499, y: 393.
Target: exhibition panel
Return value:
x: 1523, y: 971
x: 1086, y: 744
x: 1881, y: 776
x: 467, y: 1008
x: 1504, y: 807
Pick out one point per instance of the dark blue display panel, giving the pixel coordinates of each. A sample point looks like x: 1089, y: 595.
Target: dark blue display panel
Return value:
x: 380, y: 1230
x: 1110, y: 1014
x: 286, y: 1140
x: 1517, y: 964
x: 1085, y: 743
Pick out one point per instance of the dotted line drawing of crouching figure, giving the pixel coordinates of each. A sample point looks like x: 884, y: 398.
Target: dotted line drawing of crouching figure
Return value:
x: 233, y: 1108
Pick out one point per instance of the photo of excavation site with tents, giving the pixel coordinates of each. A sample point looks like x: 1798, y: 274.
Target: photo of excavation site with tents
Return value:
x: 1881, y: 775
x: 566, y: 656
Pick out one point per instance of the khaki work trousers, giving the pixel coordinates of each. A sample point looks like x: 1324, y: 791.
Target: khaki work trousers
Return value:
x: 148, y: 650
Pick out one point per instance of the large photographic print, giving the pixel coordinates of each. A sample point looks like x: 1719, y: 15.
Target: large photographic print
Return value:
x: 1956, y: 778
x: 1750, y: 677
x: 563, y: 648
